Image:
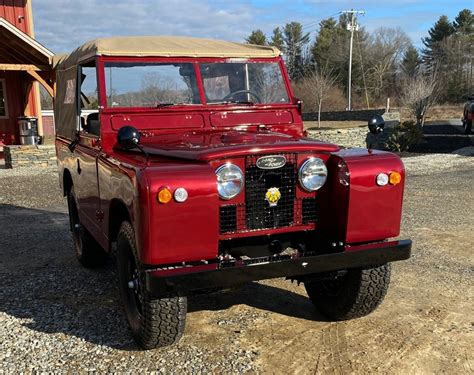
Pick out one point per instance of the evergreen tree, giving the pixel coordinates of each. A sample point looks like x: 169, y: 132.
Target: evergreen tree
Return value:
x: 464, y: 22
x: 411, y: 62
x: 325, y: 42
x: 277, y: 39
x: 439, y: 32
x: 257, y: 37
x: 295, y: 43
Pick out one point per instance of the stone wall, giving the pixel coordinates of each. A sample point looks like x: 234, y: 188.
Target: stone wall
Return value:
x: 354, y: 137
x: 29, y: 156
x: 363, y: 115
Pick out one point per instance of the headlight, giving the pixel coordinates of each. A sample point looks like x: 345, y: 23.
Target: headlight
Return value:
x: 313, y: 174
x: 230, y: 181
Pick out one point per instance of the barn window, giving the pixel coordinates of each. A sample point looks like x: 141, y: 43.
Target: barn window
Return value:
x: 3, y: 100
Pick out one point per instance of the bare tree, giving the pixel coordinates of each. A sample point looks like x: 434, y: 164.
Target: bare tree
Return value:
x: 418, y: 95
x: 317, y: 86
x: 385, y: 51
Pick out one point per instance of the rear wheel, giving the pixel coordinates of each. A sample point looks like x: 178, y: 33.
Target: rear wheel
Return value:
x: 154, y: 322
x: 468, y: 127
x: 353, y: 295
x: 88, y: 252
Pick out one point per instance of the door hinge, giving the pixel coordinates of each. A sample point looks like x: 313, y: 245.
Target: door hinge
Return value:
x: 99, y: 215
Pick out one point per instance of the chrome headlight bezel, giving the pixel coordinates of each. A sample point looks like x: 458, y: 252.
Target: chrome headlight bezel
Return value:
x: 230, y: 186
x: 321, y: 174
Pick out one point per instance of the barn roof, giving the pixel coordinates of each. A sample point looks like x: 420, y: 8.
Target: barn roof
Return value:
x: 163, y: 46
x: 18, y: 51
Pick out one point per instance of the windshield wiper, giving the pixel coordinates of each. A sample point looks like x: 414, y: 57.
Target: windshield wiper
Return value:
x: 161, y: 105
x: 246, y: 102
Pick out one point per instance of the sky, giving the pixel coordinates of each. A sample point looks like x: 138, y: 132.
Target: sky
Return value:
x: 62, y: 25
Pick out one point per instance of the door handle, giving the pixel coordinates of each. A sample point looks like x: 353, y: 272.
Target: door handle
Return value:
x: 79, y: 169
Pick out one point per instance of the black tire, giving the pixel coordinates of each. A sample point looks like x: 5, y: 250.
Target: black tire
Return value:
x: 88, y: 252
x: 154, y: 322
x: 468, y: 127
x: 356, y: 294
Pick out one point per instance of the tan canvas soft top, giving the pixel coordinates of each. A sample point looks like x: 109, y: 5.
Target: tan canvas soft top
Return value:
x: 65, y: 109
x: 163, y: 46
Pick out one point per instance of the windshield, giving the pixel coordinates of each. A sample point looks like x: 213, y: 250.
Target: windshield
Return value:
x: 149, y: 84
x: 251, y: 82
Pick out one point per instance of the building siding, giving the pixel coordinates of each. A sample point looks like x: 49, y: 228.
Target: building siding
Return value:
x: 14, y: 11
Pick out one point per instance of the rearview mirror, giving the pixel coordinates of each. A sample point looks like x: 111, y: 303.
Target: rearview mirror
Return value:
x: 376, y: 124
x: 128, y: 137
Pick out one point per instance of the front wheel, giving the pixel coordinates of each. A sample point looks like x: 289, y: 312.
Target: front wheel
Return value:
x: 154, y: 322
x: 355, y: 294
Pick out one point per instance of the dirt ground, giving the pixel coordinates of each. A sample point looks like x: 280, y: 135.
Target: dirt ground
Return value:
x: 55, y: 315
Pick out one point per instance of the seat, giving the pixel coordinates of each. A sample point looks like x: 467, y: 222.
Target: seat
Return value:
x: 93, y: 123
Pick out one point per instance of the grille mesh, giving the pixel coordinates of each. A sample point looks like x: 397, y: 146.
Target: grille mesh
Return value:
x: 310, y: 213
x: 259, y: 214
x: 228, y: 219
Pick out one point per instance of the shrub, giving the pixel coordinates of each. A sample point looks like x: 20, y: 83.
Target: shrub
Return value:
x: 404, y: 136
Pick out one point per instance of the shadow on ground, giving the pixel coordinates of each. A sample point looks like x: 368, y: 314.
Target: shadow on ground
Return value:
x: 442, y: 137
x: 44, y: 286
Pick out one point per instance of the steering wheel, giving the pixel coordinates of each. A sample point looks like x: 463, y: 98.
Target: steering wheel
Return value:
x: 231, y: 95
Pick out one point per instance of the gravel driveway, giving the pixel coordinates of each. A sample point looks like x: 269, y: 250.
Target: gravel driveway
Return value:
x: 55, y: 315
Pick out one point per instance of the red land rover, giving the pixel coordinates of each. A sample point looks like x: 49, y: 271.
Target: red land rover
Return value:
x: 189, y: 157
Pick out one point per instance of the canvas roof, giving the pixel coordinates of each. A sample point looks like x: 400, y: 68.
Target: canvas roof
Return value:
x: 163, y: 46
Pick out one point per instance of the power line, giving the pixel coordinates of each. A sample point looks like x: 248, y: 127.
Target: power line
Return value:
x: 318, y: 20
x: 353, y: 26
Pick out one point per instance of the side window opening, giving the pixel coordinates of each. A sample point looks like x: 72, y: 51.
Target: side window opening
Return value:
x: 88, y: 102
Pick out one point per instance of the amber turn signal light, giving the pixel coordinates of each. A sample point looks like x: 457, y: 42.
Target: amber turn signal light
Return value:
x: 164, y: 195
x: 395, y: 178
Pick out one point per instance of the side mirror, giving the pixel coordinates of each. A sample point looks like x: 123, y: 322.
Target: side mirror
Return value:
x: 376, y: 124
x: 128, y: 137
x: 299, y: 105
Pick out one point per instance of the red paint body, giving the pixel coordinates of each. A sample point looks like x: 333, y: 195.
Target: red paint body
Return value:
x: 186, y: 145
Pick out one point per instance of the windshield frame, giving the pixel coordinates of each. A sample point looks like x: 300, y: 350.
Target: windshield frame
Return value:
x: 102, y: 60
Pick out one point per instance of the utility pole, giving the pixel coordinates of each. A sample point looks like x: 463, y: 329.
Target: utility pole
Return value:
x: 352, y: 26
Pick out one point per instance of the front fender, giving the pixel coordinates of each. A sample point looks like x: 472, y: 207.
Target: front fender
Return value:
x: 181, y: 232
x: 362, y: 211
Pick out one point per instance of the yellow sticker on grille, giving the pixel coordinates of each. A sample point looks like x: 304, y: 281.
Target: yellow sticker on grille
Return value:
x: 272, y: 196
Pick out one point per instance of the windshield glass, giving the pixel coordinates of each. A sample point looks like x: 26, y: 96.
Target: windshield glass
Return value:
x: 150, y: 84
x: 243, y: 82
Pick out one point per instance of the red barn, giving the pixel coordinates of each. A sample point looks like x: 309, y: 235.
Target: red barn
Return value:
x: 23, y: 63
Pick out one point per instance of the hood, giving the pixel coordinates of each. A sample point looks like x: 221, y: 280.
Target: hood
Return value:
x: 205, y: 146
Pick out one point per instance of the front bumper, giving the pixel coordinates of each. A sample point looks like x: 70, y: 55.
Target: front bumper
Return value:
x: 185, y: 280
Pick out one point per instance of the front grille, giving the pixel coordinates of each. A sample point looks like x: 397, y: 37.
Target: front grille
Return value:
x: 228, y: 219
x: 259, y: 214
x: 310, y: 213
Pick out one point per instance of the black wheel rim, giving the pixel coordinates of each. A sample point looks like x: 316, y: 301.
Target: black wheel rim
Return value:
x: 132, y: 288
x: 133, y: 285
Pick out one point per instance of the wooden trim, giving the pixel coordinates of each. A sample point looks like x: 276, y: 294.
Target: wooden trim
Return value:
x: 24, y: 67
x: 29, y: 12
x: 40, y: 79
x: 26, y: 38
x: 37, y: 99
x: 5, y: 98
